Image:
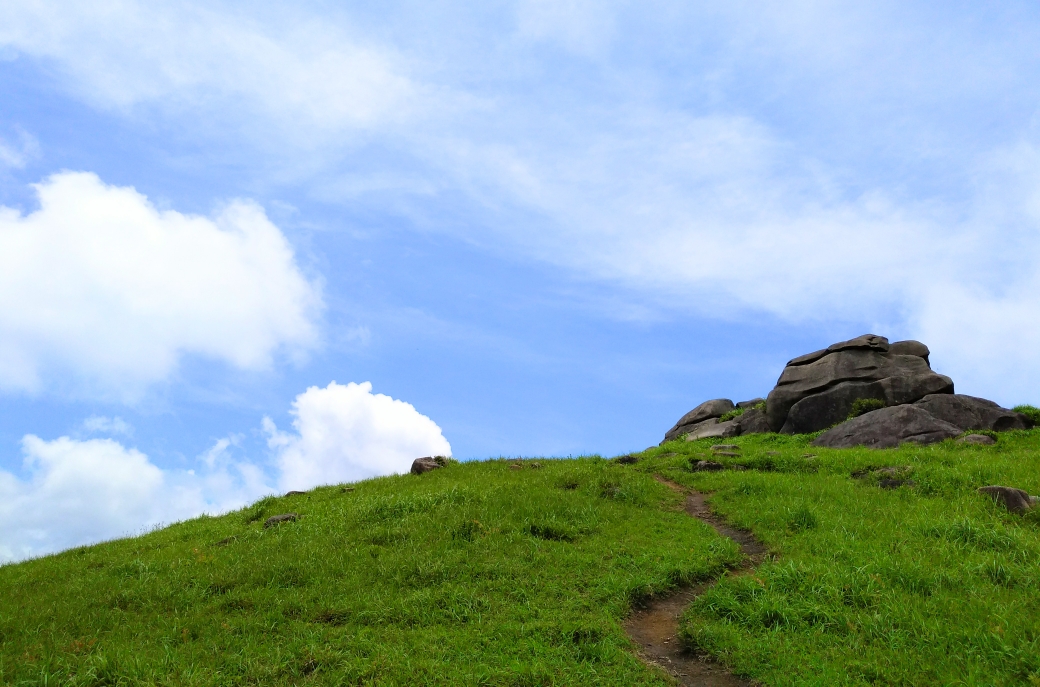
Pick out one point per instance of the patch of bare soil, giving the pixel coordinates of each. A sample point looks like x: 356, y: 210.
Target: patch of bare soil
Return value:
x: 655, y: 627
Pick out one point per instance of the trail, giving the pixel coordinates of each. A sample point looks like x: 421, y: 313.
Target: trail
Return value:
x: 655, y: 628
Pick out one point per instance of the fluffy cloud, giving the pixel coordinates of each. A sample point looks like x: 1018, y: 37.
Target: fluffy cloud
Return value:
x: 75, y: 492
x: 80, y: 492
x: 100, y: 283
x: 346, y: 433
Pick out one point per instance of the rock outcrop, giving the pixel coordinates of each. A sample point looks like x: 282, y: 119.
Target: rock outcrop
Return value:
x: 817, y: 390
x: 704, y: 414
x: 823, y: 389
x: 888, y: 428
x: 424, y: 465
x: 969, y: 412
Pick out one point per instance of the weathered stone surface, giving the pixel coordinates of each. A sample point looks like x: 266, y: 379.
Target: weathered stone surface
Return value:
x: 294, y: 492
x: 753, y: 421
x: 725, y: 447
x: 750, y: 404
x: 979, y: 439
x: 715, y: 430
x: 864, y: 367
x: 1015, y: 500
x: 888, y: 428
x: 709, y: 410
x: 829, y: 406
x: 423, y: 465
x: 708, y: 466
x: 969, y: 412
x: 279, y: 519
x: 909, y: 347
x: 871, y: 342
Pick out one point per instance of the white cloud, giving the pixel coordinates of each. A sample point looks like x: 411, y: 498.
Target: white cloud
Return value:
x: 78, y: 492
x: 81, y: 492
x: 99, y: 424
x: 306, y: 74
x: 347, y: 433
x: 101, y: 283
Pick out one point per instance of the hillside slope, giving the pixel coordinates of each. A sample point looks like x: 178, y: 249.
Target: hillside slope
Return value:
x: 478, y: 573
x: 489, y: 573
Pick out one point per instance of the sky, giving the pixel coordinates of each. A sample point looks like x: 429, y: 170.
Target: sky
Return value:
x: 246, y: 248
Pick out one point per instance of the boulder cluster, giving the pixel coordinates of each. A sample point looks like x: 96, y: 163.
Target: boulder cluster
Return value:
x: 904, y: 400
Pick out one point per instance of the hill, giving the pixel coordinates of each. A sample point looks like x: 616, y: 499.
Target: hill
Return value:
x: 522, y: 573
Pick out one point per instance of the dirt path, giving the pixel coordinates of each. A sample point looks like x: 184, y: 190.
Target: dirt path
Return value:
x: 655, y: 627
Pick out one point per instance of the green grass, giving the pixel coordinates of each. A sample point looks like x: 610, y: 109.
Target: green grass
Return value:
x: 473, y: 574
x: 925, y: 584
x: 481, y: 573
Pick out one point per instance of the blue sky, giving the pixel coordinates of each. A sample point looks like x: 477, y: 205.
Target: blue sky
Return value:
x: 540, y: 228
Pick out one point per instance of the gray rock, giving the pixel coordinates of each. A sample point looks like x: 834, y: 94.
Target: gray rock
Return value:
x: 1015, y: 500
x: 828, y: 407
x: 725, y: 447
x: 423, y: 465
x: 279, y: 519
x: 628, y: 460
x: 909, y: 347
x: 864, y: 367
x: 888, y: 428
x: 750, y: 404
x: 709, y: 410
x: 969, y: 412
x: 708, y: 466
x: 753, y: 421
x: 715, y: 430
x: 978, y: 439
x: 294, y: 493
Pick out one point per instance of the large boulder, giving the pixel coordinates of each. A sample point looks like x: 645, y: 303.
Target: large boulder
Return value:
x: 969, y: 412
x: 709, y: 411
x: 753, y: 421
x: 714, y: 429
x: 818, y: 389
x: 888, y: 428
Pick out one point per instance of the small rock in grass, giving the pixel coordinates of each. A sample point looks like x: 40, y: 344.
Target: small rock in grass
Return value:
x: 279, y: 519
x: 896, y: 483
x: 294, y: 493
x: 978, y: 439
x: 516, y: 466
x: 725, y: 447
x: 730, y: 454
x: 423, y: 465
x: 628, y: 460
x: 346, y: 489
x: 708, y: 466
x: 772, y: 453
x: 1015, y: 500
x: 808, y: 455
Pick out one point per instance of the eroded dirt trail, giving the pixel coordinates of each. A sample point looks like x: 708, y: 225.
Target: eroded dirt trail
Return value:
x: 655, y: 627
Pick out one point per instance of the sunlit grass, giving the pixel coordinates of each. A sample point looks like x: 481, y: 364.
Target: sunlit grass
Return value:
x: 479, y: 573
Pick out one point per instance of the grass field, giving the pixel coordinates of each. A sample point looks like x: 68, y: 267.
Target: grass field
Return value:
x: 484, y: 573
x: 478, y: 573
x: 924, y: 584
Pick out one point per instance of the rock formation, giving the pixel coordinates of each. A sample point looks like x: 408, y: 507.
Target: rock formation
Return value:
x: 820, y: 390
x: 817, y: 390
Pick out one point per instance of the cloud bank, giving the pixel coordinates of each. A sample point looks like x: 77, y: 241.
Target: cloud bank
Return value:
x: 74, y: 492
x: 99, y: 283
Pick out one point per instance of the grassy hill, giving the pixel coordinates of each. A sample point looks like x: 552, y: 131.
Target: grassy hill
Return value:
x: 488, y: 573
